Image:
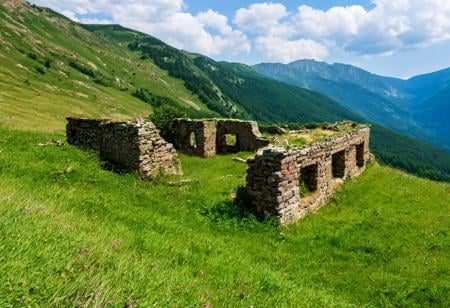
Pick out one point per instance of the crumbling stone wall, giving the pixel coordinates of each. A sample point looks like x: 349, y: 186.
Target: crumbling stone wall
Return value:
x: 208, y: 137
x: 195, y: 137
x: 85, y: 133
x: 275, y: 176
x: 130, y: 145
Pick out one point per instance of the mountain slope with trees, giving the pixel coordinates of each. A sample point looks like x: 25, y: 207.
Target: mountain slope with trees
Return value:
x: 406, y: 106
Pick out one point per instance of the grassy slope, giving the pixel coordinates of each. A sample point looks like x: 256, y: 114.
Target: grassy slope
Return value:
x: 32, y: 100
x: 91, y: 237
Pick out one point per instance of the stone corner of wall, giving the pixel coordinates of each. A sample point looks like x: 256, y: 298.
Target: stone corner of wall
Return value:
x: 274, y: 175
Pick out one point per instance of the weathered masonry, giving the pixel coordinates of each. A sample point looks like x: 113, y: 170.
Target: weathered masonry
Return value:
x: 289, y: 184
x: 130, y: 145
x: 209, y: 137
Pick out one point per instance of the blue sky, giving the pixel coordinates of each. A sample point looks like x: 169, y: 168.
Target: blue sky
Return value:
x: 229, y: 7
x: 398, y: 38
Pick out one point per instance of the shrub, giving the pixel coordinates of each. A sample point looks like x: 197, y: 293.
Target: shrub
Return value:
x: 32, y: 56
x: 82, y: 69
x: 40, y: 70
x: 47, y: 63
x: 153, y: 99
x: 101, y: 81
x: 163, y: 117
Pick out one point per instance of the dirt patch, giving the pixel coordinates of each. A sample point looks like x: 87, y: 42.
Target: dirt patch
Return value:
x: 80, y: 83
x: 92, y: 65
x: 81, y: 95
x: 85, y: 251
x: 22, y: 67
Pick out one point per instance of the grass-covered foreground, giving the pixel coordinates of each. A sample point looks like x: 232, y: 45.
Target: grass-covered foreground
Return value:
x: 73, y: 233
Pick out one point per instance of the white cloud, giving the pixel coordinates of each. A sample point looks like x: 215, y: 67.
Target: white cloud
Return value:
x: 336, y: 22
x: 209, y: 32
x: 389, y: 27
x: 70, y: 14
x: 263, y: 19
x: 278, y: 49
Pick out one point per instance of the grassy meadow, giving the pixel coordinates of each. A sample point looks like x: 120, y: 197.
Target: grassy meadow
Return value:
x: 74, y: 234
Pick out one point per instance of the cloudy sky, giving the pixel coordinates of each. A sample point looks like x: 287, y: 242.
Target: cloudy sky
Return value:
x: 389, y: 37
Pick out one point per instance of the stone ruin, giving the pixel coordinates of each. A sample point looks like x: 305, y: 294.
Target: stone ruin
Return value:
x: 288, y: 184
x: 209, y: 137
x: 285, y: 183
x: 130, y: 145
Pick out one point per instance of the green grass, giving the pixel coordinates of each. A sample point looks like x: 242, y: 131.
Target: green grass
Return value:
x: 87, y: 236
x: 51, y: 67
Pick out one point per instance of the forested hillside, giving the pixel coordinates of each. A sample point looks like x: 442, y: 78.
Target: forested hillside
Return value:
x: 415, y: 107
x: 230, y: 89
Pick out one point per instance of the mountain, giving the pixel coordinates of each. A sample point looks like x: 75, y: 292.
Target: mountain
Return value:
x: 434, y: 112
x: 51, y: 67
x: 425, y: 86
x: 230, y: 89
x: 392, y: 102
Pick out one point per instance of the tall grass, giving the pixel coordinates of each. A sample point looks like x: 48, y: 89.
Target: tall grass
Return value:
x: 73, y: 233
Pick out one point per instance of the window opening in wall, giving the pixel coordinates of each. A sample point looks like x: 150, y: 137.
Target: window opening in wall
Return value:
x: 338, y: 164
x: 231, y: 140
x: 360, y: 155
x: 193, y: 140
x: 308, y: 179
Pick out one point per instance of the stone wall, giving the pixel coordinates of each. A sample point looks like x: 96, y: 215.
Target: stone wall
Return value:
x: 289, y: 184
x: 208, y: 137
x: 85, y: 133
x: 195, y: 137
x: 130, y: 145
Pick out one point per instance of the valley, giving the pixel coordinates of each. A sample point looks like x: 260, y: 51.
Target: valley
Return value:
x: 416, y: 107
x: 108, y: 71
x: 169, y: 229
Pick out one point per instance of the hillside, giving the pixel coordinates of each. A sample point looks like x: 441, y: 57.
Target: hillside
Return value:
x: 252, y: 95
x: 401, y: 105
x: 87, y: 236
x: 51, y: 67
x: 230, y: 89
x: 434, y: 112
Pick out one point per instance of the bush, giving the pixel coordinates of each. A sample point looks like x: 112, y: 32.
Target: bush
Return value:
x: 272, y: 129
x: 163, y: 117
x: 32, y: 56
x: 40, y: 70
x: 82, y: 69
x: 152, y: 99
x: 102, y: 81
